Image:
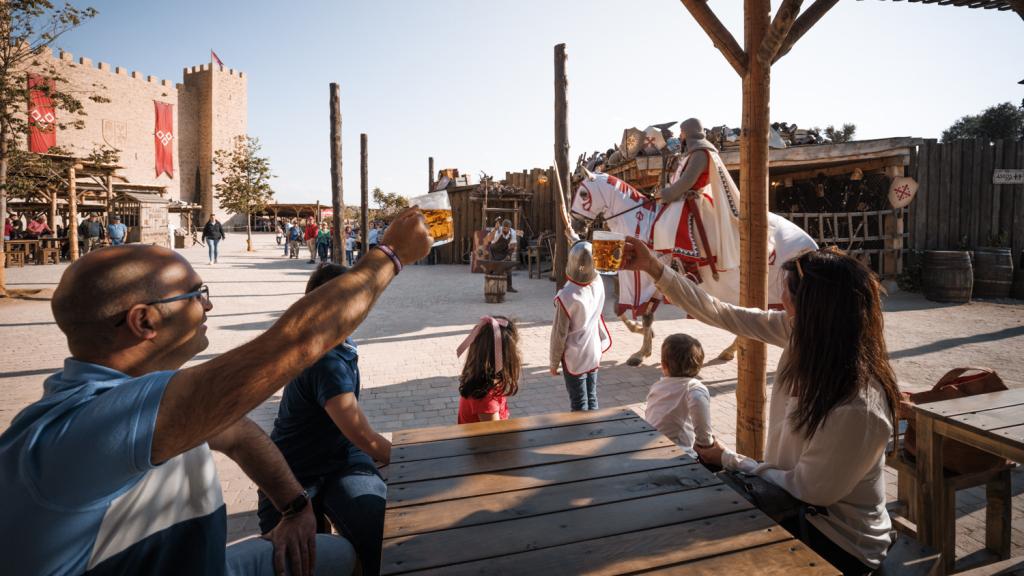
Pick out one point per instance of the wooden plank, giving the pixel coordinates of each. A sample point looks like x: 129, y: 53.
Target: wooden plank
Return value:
x: 511, y: 459
x: 964, y: 182
x: 500, y: 538
x: 447, y: 489
x: 511, y: 425
x: 997, y: 191
x: 957, y: 406
x: 935, y: 192
x: 920, y: 204
x: 1005, y: 442
x: 1018, y: 211
x: 1006, y: 193
x: 991, y: 419
x: 985, y: 203
x: 945, y: 165
x: 544, y: 500
x: 977, y: 154
x: 784, y: 558
x: 955, y: 193
x: 637, y: 551
x: 518, y: 440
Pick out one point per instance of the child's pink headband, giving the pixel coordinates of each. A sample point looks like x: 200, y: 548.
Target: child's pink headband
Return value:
x: 496, y: 325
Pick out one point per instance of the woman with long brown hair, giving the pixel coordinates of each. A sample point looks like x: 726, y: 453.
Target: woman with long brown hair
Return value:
x: 833, y: 403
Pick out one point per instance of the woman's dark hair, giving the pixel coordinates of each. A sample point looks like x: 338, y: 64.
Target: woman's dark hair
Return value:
x: 683, y: 355
x: 478, y: 377
x: 324, y: 274
x: 838, y: 341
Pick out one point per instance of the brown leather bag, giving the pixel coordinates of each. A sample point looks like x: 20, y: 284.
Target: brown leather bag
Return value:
x: 956, y: 457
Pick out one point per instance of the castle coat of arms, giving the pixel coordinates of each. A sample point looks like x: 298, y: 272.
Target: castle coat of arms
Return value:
x: 115, y: 133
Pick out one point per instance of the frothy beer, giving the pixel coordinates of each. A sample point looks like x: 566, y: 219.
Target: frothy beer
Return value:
x: 440, y: 224
x: 608, y: 248
x: 437, y: 211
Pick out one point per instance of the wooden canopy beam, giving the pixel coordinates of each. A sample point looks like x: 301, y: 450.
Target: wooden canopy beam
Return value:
x: 719, y: 34
x: 805, y: 22
x: 779, y: 30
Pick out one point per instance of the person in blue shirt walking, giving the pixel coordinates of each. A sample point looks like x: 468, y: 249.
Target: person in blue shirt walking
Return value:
x: 116, y: 231
x: 110, y: 472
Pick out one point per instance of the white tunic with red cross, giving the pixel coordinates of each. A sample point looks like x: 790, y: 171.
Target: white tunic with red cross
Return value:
x: 588, y: 336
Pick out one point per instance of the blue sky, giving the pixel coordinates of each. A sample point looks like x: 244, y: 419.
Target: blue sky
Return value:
x: 470, y: 82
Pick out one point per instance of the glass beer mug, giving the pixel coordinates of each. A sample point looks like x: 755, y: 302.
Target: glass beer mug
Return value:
x: 608, y: 248
x: 437, y: 210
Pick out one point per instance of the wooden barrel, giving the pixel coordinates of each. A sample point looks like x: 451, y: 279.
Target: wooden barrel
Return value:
x: 946, y: 276
x: 1017, y: 290
x: 993, y: 272
x: 494, y: 288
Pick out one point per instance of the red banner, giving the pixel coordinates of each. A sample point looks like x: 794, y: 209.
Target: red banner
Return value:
x: 163, y: 136
x: 42, y: 118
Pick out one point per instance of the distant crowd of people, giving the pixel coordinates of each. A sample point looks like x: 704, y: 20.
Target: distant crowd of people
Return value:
x: 297, y: 233
x: 92, y: 232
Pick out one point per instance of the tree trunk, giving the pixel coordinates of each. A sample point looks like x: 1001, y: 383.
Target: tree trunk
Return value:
x: 430, y: 174
x: 561, y: 158
x: 337, y: 178
x: 3, y: 207
x: 248, y: 232
x: 364, y: 188
x: 751, y: 386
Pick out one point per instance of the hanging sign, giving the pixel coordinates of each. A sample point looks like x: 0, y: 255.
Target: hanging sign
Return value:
x: 1007, y: 176
x: 42, y: 117
x: 163, y: 136
x: 902, y: 191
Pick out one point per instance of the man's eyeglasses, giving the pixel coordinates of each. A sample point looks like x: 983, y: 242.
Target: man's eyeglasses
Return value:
x: 203, y: 293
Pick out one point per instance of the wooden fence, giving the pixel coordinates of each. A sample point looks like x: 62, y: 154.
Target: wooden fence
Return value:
x: 957, y: 205
x: 873, y: 236
x: 536, y: 215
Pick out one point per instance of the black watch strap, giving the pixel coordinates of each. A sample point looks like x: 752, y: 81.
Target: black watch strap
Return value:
x: 296, y: 505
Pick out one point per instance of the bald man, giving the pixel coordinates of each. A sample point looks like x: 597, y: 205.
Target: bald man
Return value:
x: 111, y: 471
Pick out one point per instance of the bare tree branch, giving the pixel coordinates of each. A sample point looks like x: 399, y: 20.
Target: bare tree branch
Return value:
x: 720, y: 35
x: 781, y: 25
x: 805, y: 22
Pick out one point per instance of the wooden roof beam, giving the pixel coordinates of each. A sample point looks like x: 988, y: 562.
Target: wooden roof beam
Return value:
x: 780, y: 28
x: 1018, y: 7
x: 805, y: 22
x: 719, y: 34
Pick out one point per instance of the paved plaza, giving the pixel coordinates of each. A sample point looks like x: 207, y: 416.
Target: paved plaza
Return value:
x: 409, y: 367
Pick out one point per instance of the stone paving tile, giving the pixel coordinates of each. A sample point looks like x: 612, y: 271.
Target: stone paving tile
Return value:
x: 410, y: 371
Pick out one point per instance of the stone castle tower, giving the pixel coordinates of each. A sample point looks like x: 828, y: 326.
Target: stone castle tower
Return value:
x: 210, y: 111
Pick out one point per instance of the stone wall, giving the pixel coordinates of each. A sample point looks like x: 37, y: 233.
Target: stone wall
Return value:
x: 210, y: 111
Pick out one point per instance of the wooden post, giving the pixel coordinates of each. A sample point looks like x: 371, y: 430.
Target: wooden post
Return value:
x: 364, y: 188
x: 337, y: 179
x: 430, y: 174
x: 364, y: 208
x: 53, y: 210
x: 561, y: 158
x: 751, y: 392
x: 109, y: 198
x: 72, y: 215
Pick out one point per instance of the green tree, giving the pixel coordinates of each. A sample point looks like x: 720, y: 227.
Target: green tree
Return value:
x: 245, y: 180
x: 1000, y: 122
x: 840, y: 135
x: 389, y: 204
x: 27, y: 29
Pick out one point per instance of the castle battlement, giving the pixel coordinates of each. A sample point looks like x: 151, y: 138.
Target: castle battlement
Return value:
x: 69, y: 58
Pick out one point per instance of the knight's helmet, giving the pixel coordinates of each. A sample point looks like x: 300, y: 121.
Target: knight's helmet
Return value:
x: 579, y: 265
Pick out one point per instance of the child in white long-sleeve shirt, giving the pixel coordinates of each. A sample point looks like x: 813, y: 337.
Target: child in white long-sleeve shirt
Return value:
x: 678, y: 405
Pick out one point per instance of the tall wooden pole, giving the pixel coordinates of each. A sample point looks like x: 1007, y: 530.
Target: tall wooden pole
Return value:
x: 561, y: 157
x: 53, y: 210
x: 72, y: 215
x: 337, y: 183
x: 364, y: 191
x: 430, y: 174
x: 751, y: 394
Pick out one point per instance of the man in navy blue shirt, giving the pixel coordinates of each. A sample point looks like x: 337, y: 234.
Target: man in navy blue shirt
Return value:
x: 331, y: 447
x: 110, y: 472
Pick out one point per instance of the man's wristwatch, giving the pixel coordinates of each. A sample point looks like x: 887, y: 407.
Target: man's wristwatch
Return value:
x: 296, y: 505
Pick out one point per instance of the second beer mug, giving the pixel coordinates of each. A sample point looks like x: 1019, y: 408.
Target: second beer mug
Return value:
x: 437, y: 210
x: 608, y: 250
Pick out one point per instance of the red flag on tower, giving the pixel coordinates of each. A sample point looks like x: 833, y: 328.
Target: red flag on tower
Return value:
x: 213, y: 56
x: 42, y: 118
x: 163, y: 136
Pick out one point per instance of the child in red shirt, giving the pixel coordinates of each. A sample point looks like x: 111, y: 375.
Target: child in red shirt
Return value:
x: 491, y: 372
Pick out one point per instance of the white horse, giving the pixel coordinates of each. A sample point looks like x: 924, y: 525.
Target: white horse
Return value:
x: 628, y: 212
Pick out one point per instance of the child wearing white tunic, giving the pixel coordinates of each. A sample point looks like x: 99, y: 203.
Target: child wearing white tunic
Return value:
x: 579, y: 337
x: 678, y: 405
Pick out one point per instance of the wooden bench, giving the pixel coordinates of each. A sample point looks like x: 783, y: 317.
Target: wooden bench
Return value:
x: 16, y: 258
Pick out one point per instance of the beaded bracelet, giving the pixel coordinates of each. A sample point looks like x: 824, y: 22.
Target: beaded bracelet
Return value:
x: 391, y: 254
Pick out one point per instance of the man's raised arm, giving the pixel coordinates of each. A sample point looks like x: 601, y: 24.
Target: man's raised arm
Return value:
x: 201, y: 401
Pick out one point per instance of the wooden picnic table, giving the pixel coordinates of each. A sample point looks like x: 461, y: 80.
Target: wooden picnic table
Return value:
x: 597, y: 492
x: 991, y: 422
